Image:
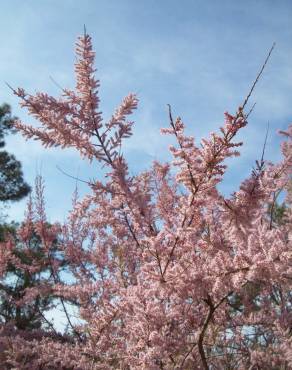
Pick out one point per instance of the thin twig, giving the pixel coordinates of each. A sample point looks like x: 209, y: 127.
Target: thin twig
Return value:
x: 250, y: 111
x: 74, y: 177
x: 258, y: 76
x: 265, y: 142
x: 50, y: 324
x: 56, y: 83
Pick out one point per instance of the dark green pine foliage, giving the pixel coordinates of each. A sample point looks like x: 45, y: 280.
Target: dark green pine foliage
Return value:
x: 17, y: 280
x: 12, y: 185
x: 277, y: 213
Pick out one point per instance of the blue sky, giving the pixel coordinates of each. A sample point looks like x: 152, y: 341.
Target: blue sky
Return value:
x: 199, y: 56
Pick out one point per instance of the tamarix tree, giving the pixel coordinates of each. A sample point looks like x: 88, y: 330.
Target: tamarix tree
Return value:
x: 166, y: 272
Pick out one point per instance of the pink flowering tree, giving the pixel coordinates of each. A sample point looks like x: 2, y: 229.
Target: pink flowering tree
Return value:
x: 166, y: 272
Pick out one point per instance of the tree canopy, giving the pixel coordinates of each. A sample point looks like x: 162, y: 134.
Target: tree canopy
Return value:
x: 166, y: 271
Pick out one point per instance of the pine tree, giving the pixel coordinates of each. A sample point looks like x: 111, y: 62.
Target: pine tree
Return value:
x: 12, y: 185
x: 25, y: 287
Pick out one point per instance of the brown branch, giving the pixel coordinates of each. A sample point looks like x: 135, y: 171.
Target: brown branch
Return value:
x: 212, y: 309
x: 203, y: 331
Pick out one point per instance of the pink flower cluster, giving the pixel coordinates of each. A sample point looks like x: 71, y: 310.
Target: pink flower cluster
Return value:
x: 166, y: 272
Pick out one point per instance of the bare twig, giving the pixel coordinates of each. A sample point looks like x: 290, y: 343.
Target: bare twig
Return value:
x: 56, y: 83
x: 258, y: 77
x: 250, y: 111
x: 49, y: 324
x: 265, y: 142
x: 261, y: 163
x: 74, y: 177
